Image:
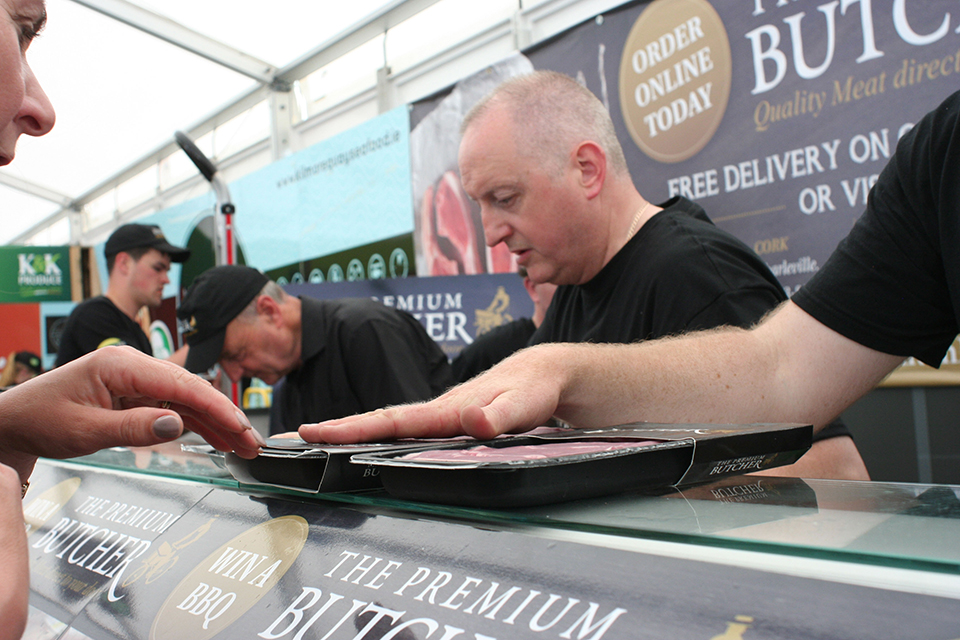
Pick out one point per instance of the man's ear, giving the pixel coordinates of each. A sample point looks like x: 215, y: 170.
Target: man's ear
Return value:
x: 122, y: 262
x: 269, y: 309
x: 531, y: 288
x: 592, y: 163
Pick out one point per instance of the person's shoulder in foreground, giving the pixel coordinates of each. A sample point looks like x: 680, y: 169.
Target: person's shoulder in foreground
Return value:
x: 891, y: 284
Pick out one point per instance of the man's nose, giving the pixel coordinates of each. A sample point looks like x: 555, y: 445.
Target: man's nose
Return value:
x: 495, y: 229
x: 233, y: 370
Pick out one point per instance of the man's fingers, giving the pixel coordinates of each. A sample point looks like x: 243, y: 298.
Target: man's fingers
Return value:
x: 501, y: 416
x: 406, y: 421
x: 377, y: 426
x: 475, y: 423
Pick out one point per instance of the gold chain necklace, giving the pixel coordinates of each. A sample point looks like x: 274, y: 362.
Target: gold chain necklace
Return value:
x: 636, y: 219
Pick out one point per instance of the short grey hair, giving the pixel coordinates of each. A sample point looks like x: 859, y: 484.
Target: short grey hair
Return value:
x: 552, y: 112
x: 271, y: 289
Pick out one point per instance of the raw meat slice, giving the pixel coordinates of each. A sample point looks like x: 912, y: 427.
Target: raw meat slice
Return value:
x: 455, y: 223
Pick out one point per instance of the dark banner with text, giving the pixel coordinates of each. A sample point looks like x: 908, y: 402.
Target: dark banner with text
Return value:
x: 776, y: 116
x: 115, y: 559
x: 454, y: 310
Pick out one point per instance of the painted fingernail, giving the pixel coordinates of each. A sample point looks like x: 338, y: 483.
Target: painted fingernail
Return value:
x: 259, y: 438
x: 244, y: 420
x: 166, y: 427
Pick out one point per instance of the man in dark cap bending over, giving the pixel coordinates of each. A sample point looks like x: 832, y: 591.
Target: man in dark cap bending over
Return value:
x: 339, y: 357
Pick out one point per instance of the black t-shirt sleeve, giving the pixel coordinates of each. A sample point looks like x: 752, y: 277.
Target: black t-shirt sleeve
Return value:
x: 886, y: 286
x: 740, y: 308
x: 836, y: 429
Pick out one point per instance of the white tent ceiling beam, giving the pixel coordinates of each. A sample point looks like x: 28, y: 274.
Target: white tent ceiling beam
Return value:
x: 49, y: 221
x: 181, y: 36
x: 92, y: 235
x: 246, y: 101
x: 377, y: 23
x: 36, y: 190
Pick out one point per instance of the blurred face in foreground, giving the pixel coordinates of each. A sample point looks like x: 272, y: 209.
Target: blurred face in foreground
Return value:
x: 24, y: 107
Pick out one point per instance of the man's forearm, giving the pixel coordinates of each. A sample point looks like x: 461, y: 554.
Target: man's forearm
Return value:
x: 789, y: 369
x: 685, y: 379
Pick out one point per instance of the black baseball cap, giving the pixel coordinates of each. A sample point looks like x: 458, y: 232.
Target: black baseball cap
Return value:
x: 29, y: 360
x: 135, y: 236
x: 216, y: 297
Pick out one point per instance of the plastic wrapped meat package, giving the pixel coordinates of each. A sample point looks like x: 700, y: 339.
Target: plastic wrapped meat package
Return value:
x: 560, y: 465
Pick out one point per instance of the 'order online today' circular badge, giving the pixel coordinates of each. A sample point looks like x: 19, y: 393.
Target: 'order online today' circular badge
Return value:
x: 675, y: 78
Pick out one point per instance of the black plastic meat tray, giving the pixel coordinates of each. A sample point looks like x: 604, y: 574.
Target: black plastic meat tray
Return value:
x: 529, y: 482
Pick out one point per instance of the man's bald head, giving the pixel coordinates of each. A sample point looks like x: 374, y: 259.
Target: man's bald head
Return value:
x: 552, y: 114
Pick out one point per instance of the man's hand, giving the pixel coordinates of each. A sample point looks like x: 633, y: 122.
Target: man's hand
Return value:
x: 115, y: 396
x: 520, y: 393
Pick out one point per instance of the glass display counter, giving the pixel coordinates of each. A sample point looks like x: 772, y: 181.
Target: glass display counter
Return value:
x: 161, y: 543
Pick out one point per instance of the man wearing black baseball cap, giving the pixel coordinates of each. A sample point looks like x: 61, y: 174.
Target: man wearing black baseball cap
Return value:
x: 138, y: 259
x: 338, y: 357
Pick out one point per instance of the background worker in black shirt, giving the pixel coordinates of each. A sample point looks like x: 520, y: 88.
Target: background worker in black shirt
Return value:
x: 138, y: 260
x: 491, y: 347
x: 337, y: 357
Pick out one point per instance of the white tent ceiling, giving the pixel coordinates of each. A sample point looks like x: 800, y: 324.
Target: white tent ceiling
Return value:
x: 120, y: 92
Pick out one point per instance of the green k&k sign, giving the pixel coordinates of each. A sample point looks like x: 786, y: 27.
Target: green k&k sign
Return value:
x: 34, y: 274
